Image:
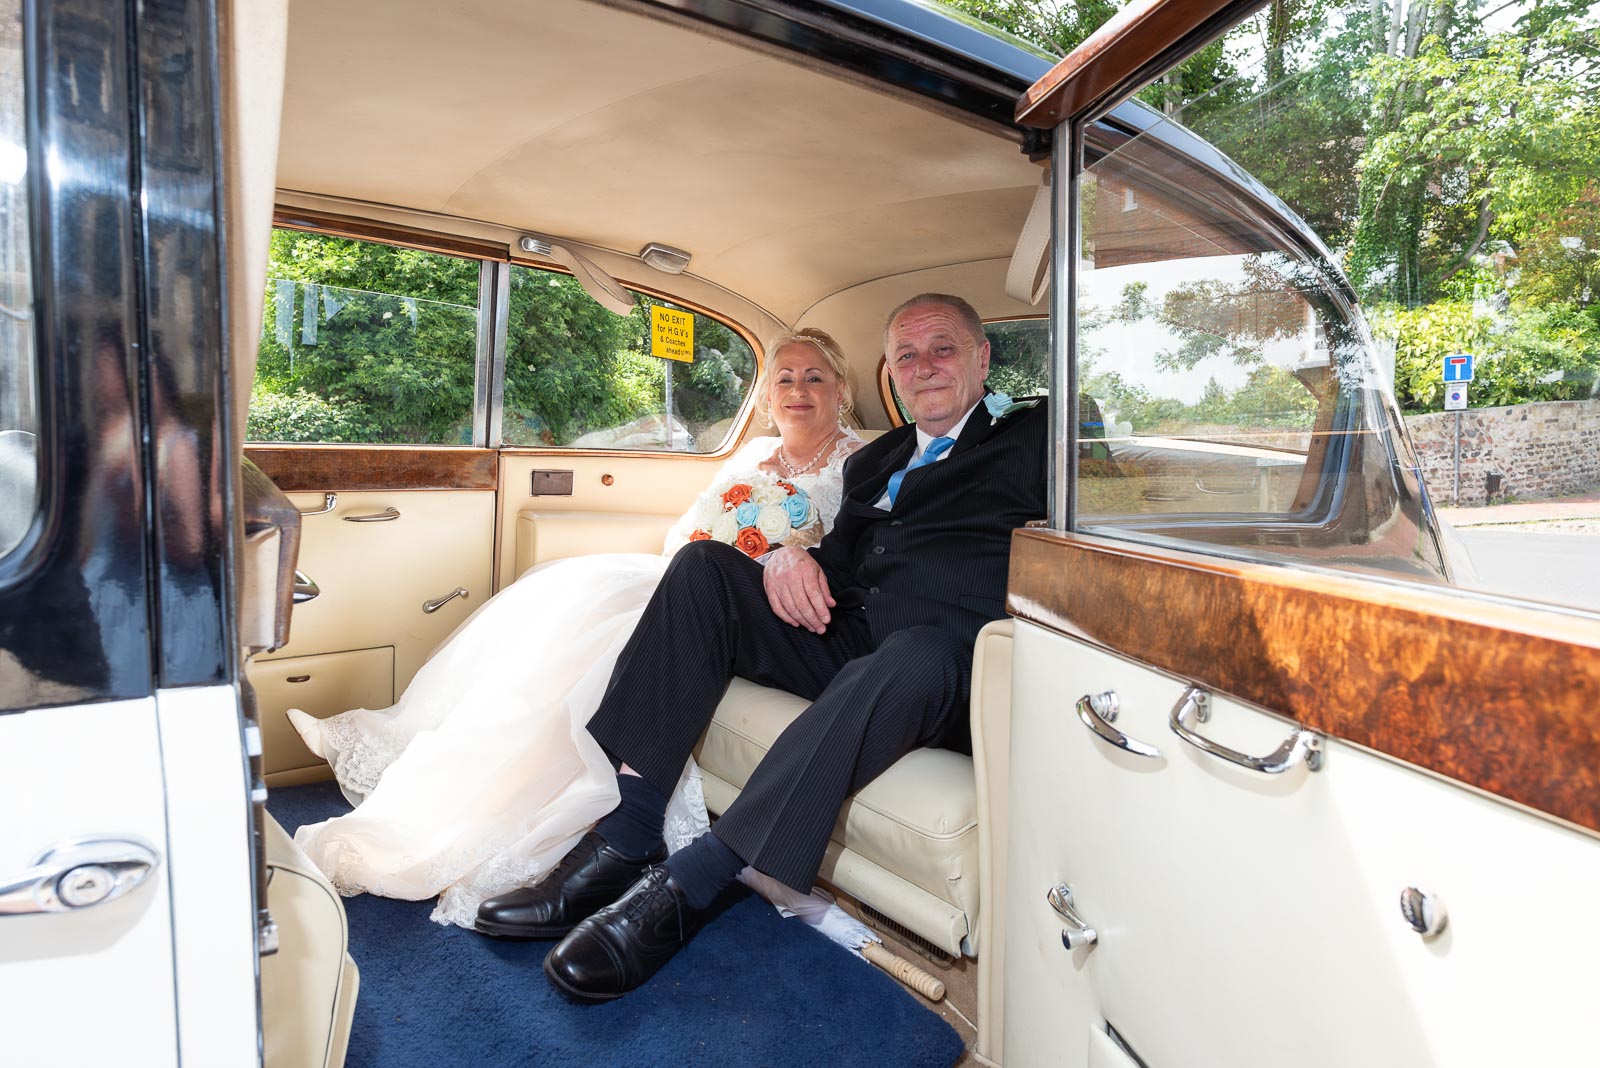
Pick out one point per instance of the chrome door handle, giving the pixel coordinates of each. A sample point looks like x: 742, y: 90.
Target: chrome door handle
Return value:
x: 78, y: 874
x: 1301, y: 747
x: 1077, y: 933
x: 1098, y: 711
x: 328, y: 501
x: 437, y: 603
x: 376, y: 517
x: 305, y: 588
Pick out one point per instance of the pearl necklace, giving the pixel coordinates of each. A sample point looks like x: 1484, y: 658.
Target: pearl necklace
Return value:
x: 794, y: 472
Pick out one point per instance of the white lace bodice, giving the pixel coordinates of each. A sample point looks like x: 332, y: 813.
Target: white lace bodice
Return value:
x: 825, y: 485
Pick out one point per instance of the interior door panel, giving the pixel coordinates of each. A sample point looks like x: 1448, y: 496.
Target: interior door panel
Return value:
x: 323, y: 684
x: 619, y: 503
x: 1252, y: 919
x: 375, y: 575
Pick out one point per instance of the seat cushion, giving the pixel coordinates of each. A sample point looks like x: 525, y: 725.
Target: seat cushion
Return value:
x: 918, y: 820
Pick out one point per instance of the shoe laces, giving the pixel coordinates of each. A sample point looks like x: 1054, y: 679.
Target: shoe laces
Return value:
x: 643, y: 901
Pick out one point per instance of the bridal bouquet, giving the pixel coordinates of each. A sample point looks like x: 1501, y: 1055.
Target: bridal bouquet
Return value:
x: 752, y: 512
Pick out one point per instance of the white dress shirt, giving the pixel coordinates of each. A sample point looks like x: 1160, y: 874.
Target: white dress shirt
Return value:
x: 923, y: 439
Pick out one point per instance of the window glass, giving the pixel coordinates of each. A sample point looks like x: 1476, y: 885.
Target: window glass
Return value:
x: 1289, y: 265
x: 19, y: 416
x: 578, y: 376
x: 364, y: 342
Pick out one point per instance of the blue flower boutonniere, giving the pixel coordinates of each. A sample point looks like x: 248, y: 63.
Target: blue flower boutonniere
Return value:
x: 999, y: 406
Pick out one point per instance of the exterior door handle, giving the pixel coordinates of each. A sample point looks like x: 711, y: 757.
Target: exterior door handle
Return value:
x: 78, y: 874
x: 1301, y: 747
x: 1098, y: 711
x: 1077, y: 933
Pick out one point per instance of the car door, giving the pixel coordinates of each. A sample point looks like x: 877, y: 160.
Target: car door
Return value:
x: 126, y: 898
x: 1283, y: 789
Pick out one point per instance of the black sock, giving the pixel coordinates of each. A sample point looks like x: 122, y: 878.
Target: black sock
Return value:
x: 704, y: 868
x: 633, y: 828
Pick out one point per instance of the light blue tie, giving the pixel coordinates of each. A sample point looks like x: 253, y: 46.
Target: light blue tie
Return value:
x: 936, y: 448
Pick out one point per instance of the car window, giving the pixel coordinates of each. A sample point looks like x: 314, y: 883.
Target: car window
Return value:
x: 579, y: 376
x: 19, y: 395
x: 365, y: 342
x: 1339, y: 305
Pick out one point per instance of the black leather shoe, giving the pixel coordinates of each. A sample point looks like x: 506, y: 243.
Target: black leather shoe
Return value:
x: 589, y: 878
x: 625, y: 943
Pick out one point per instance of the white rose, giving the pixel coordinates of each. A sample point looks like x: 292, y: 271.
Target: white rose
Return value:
x: 706, y: 512
x: 773, y: 522
x: 770, y: 493
x: 725, y: 528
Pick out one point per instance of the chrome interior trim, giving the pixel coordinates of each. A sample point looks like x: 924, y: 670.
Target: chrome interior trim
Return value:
x: 1098, y: 711
x: 1301, y: 747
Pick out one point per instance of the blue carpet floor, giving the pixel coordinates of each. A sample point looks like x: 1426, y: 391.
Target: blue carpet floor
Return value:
x: 752, y: 989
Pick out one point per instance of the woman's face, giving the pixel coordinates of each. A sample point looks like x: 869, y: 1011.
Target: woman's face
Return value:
x: 805, y: 393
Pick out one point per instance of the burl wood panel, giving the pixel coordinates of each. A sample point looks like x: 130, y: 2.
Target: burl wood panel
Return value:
x: 1129, y: 40
x: 319, y: 468
x: 345, y: 226
x: 1502, y: 697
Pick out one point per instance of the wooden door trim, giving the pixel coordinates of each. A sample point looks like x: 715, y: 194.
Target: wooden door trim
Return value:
x: 319, y: 468
x: 1503, y: 697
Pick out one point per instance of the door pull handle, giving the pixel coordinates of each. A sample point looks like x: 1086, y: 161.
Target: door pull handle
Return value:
x: 305, y: 588
x: 376, y: 517
x: 1301, y: 747
x: 1098, y: 711
x: 78, y: 874
x: 437, y: 603
x: 328, y: 501
x: 1076, y: 933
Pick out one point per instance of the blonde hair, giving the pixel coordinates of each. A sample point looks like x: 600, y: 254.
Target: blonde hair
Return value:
x: 820, y: 340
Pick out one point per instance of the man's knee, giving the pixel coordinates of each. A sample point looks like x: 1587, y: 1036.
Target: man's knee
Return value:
x: 926, y: 657
x: 701, y: 560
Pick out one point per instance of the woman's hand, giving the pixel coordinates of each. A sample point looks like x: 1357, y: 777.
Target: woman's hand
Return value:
x: 798, y: 590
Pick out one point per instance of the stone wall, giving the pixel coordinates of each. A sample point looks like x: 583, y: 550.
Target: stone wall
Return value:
x: 1549, y: 449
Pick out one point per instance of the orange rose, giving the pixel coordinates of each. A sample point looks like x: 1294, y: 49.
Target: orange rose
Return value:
x: 786, y: 487
x: 751, y: 542
x: 700, y: 535
x: 737, y: 494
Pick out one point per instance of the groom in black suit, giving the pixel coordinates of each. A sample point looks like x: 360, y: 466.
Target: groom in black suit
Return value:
x: 875, y: 626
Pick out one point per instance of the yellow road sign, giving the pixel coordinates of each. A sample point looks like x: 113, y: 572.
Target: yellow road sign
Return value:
x: 671, y: 334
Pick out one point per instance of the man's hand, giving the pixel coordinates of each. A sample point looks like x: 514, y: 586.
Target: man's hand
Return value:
x: 798, y: 590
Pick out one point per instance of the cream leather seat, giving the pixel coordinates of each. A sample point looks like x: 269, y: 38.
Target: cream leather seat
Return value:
x: 308, y: 987
x: 908, y: 843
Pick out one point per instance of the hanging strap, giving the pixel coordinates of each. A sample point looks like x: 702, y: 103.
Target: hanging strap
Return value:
x: 1028, y: 277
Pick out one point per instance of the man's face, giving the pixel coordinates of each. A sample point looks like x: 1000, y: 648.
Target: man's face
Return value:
x: 937, y: 365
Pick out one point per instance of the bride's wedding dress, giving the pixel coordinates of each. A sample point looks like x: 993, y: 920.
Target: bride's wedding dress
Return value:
x: 482, y: 776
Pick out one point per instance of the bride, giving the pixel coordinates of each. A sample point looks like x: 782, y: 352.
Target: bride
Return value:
x: 483, y: 775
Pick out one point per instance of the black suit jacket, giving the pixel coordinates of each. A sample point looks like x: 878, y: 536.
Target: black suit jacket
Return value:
x: 941, y: 555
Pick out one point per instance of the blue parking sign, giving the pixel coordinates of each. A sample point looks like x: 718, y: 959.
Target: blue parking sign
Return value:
x: 1458, y: 367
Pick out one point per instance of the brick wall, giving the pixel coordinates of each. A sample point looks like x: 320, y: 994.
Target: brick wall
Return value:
x: 1548, y: 449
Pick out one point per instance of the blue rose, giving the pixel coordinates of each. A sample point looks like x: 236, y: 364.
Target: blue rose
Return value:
x: 997, y: 404
x: 747, y: 513
x: 798, y: 505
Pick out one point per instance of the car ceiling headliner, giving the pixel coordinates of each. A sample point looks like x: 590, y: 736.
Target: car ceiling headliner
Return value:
x: 581, y: 121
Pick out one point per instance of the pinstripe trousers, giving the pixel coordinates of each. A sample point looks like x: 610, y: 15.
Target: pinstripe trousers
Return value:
x: 871, y: 702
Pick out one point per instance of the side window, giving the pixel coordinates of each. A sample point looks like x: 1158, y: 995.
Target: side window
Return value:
x: 19, y: 397
x: 578, y: 376
x: 364, y: 342
x: 1328, y: 319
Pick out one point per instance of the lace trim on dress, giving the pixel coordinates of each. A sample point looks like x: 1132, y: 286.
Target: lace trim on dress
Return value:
x: 358, y: 760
